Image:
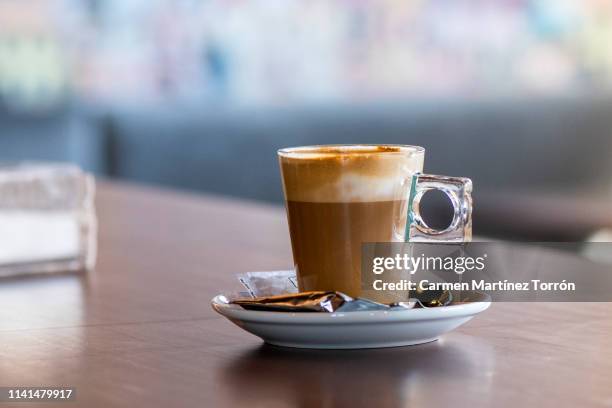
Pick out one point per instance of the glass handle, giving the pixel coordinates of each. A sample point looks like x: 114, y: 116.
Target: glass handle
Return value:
x: 459, y: 192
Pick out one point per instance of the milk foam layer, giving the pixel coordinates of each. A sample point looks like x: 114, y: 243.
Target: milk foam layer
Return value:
x: 356, y: 176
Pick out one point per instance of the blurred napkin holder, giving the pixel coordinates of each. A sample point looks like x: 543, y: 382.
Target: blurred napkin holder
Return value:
x: 47, y: 219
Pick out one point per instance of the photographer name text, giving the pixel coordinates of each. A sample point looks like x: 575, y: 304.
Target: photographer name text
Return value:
x: 505, y: 285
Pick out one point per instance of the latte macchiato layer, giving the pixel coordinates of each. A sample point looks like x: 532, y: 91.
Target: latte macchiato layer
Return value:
x: 331, y: 174
x: 339, y: 197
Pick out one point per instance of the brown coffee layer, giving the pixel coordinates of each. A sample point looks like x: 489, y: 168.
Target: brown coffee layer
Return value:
x: 326, y: 239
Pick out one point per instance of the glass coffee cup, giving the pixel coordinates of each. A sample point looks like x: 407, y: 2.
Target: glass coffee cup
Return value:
x: 341, y: 196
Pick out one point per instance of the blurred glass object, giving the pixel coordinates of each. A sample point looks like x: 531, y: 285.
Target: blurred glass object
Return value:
x: 47, y: 219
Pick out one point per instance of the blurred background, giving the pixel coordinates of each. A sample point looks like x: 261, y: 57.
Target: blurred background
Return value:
x: 199, y: 94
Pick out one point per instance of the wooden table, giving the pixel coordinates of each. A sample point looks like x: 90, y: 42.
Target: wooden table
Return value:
x: 139, y: 331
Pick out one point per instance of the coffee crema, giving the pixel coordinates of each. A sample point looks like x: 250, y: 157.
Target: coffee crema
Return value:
x: 339, y: 197
x: 347, y: 173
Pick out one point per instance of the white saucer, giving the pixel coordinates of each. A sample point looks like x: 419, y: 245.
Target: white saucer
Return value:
x: 351, y: 330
